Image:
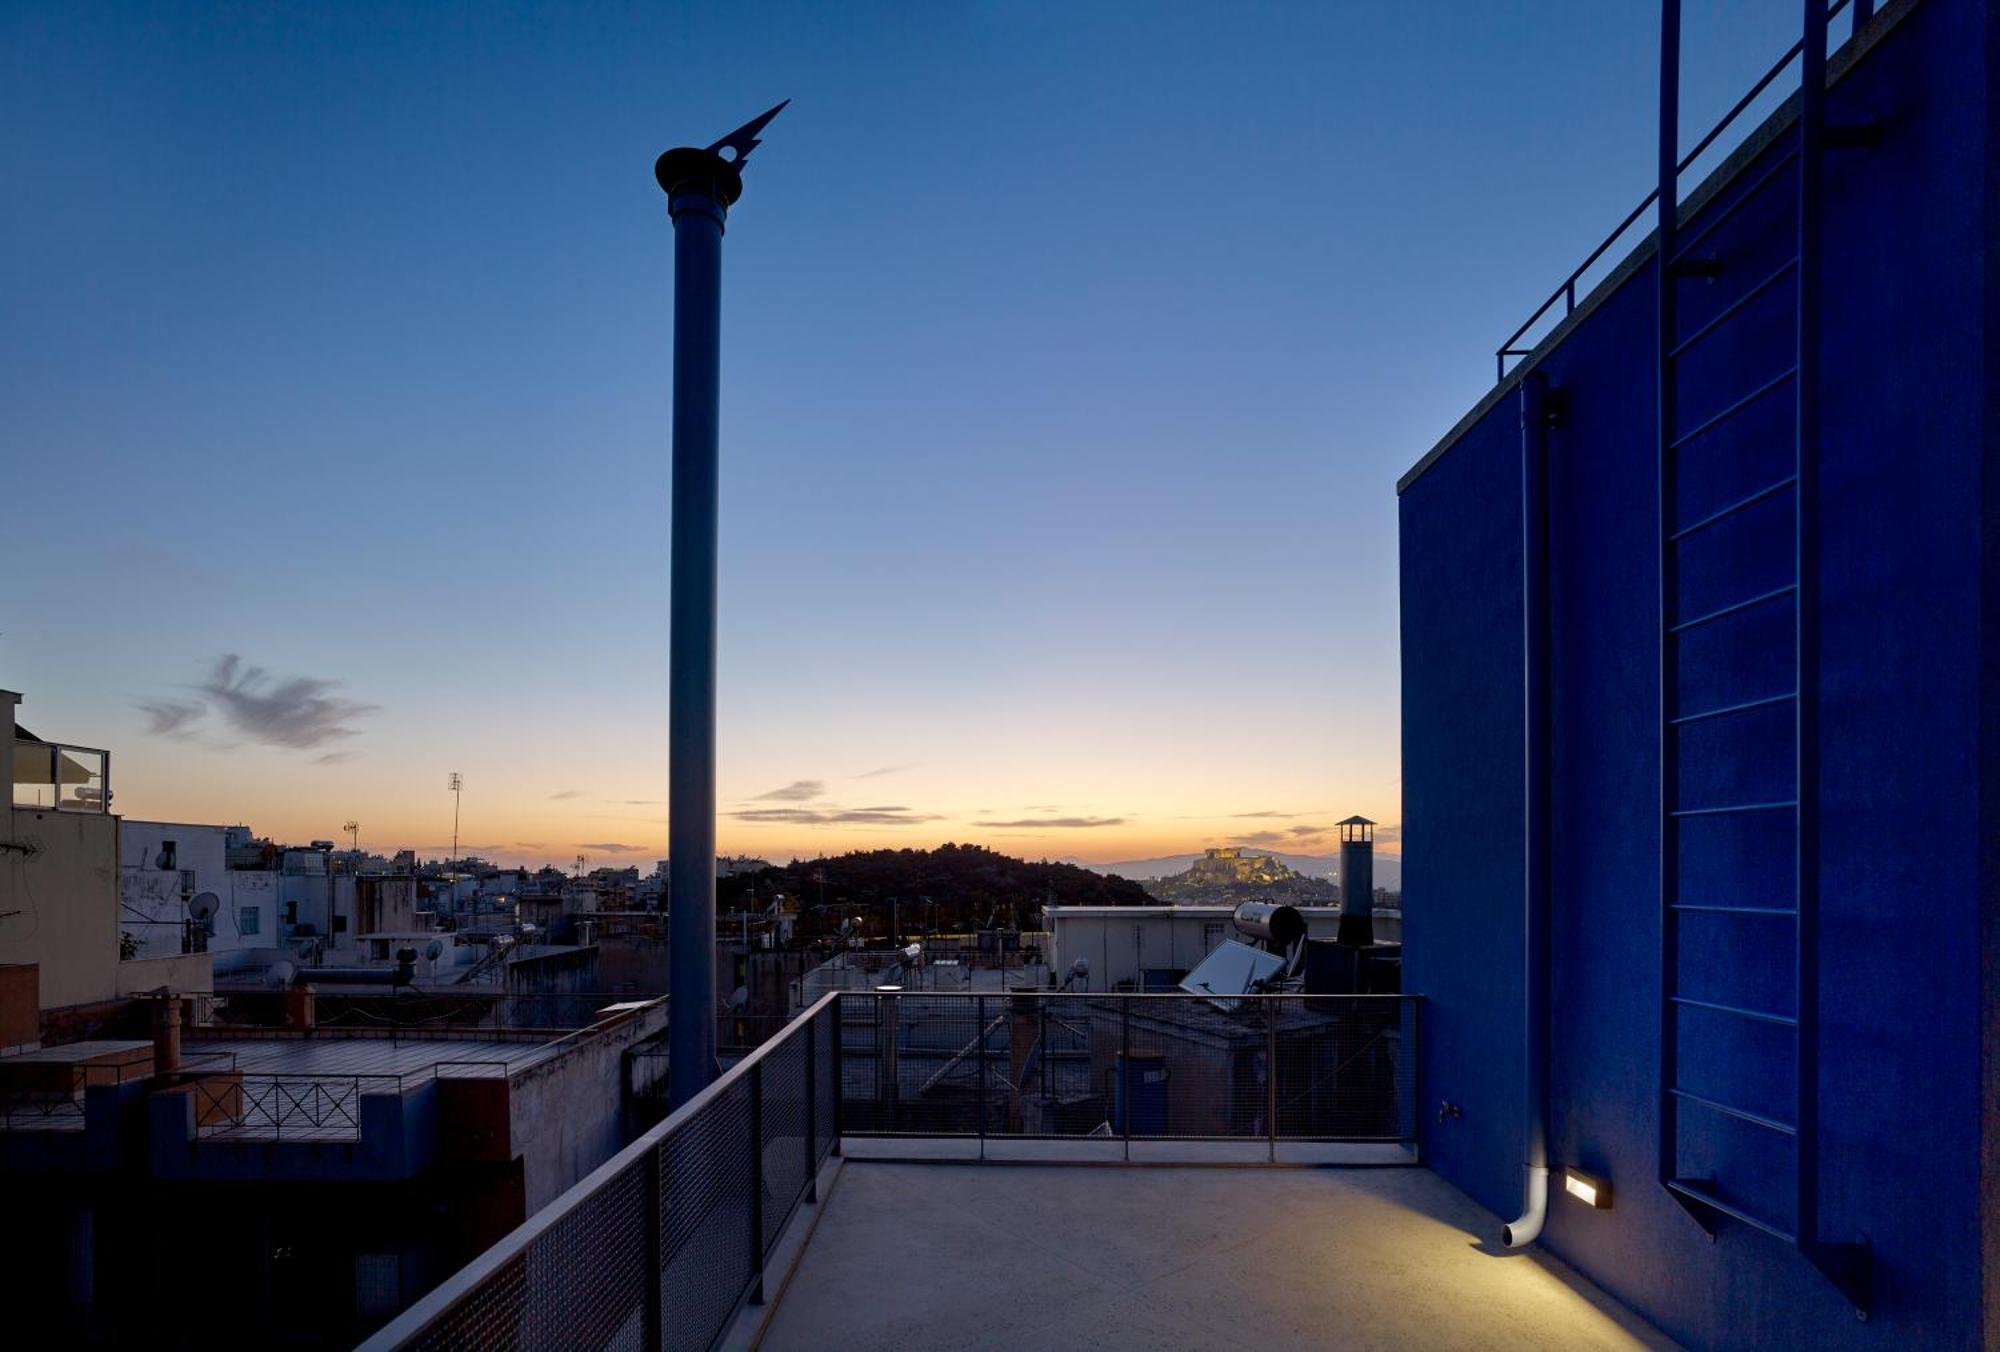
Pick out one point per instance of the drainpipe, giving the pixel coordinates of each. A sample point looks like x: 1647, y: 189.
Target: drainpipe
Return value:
x: 1535, y: 804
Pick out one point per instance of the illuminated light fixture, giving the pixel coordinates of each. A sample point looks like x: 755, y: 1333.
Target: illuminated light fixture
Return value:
x: 1590, y: 1191
x: 889, y: 988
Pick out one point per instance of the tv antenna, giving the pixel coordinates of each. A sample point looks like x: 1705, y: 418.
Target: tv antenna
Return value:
x: 353, y: 829
x: 456, y: 783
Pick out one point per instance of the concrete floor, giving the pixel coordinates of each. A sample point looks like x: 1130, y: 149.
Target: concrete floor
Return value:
x: 1029, y: 1256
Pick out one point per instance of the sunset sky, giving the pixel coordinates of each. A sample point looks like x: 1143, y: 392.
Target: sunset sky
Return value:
x: 1072, y: 352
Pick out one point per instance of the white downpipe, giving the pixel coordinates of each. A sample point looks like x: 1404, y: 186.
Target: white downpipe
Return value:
x: 1521, y: 1232
x: 1535, y: 801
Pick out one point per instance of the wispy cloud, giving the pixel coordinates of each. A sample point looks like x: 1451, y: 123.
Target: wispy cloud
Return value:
x: 174, y: 718
x: 566, y: 793
x: 529, y: 845
x: 636, y: 802
x: 830, y: 815
x: 611, y: 847
x: 798, y: 791
x: 299, y: 712
x: 333, y: 758
x: 1262, y: 838
x: 1307, y: 830
x: 878, y: 772
x: 1057, y: 823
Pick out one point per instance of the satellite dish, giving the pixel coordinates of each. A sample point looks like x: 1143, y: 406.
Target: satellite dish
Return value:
x: 1081, y: 967
x: 433, y: 950
x: 739, y: 998
x: 282, y: 973
x: 203, y: 905
x: 164, y: 859
x: 913, y: 952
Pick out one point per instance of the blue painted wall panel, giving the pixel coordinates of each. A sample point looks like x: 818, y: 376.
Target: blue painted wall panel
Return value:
x: 1462, y: 725
x: 1904, y: 454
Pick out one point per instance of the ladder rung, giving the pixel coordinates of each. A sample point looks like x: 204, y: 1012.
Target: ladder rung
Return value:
x: 1773, y: 383
x: 1723, y: 316
x: 1736, y: 1010
x: 1780, y: 805
x: 1733, y: 910
x: 1721, y: 514
x: 1702, y: 1196
x: 1729, y: 709
x: 1733, y: 607
x: 1743, y: 199
x: 1741, y: 1114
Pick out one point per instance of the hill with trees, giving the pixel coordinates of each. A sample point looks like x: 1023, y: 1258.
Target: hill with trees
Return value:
x: 953, y: 888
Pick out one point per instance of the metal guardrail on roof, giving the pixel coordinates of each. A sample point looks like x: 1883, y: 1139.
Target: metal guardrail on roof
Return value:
x: 664, y: 1244
x: 1565, y: 294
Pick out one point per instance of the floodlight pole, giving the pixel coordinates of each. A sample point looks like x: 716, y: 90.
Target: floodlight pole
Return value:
x: 700, y: 185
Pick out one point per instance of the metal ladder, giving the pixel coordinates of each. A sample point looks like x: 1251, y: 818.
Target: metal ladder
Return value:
x: 1738, y: 612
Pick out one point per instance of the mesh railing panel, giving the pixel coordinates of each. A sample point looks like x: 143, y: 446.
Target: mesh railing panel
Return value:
x: 826, y: 1079
x: 782, y: 1089
x: 706, y: 1243
x: 577, y: 1285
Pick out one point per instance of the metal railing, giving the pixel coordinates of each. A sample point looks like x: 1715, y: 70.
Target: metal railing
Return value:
x: 1156, y: 1066
x: 663, y: 1245
x: 421, y: 1013
x: 287, y: 1105
x: 50, y: 1096
x: 1566, y: 292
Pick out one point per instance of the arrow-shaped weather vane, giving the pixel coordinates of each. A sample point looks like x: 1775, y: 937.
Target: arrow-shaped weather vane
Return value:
x: 744, y: 139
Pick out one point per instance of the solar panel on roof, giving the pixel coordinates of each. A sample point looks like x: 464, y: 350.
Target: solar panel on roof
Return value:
x: 1232, y: 969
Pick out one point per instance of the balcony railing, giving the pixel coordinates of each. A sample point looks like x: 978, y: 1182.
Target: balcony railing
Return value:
x: 663, y: 1245
x: 61, y: 778
x: 1165, y: 1066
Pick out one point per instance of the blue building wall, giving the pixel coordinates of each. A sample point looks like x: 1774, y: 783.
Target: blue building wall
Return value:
x: 1907, y: 911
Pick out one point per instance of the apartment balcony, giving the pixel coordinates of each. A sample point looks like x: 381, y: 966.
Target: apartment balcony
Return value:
x: 1031, y: 1169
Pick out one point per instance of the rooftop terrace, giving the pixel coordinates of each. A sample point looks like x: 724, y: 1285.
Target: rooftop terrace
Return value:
x: 1032, y: 1169
x: 960, y: 1255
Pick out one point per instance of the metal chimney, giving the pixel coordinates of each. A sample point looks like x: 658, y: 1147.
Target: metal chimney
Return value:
x: 700, y: 185
x: 1357, y: 882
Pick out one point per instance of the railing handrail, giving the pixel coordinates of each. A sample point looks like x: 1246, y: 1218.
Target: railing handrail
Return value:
x: 1566, y: 290
x: 1125, y: 995
x: 442, y: 1298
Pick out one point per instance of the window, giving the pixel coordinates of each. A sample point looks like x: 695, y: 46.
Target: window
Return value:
x: 248, y: 921
x: 1211, y: 936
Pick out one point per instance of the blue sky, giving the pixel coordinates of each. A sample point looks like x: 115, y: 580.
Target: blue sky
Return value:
x: 1072, y: 352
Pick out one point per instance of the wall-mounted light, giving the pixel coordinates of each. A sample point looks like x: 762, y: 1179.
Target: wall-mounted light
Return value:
x: 1589, y: 1190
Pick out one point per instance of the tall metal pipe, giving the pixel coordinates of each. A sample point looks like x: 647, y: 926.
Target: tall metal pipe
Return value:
x: 701, y: 185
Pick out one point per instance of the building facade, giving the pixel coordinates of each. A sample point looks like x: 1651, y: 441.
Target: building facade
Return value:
x: 1700, y: 700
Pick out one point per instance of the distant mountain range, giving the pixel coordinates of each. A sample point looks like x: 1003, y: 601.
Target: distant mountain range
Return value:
x: 1388, y: 867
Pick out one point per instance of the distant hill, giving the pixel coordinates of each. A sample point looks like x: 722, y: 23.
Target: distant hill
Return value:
x: 1231, y: 874
x: 951, y: 888
x: 1388, y: 868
